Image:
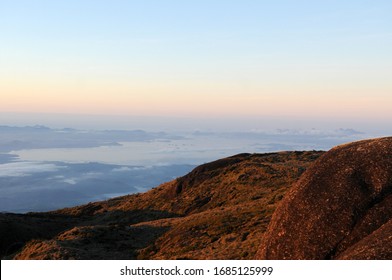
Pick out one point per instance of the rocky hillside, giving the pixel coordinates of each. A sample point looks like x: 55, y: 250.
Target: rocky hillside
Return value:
x: 338, y: 205
x: 218, y: 211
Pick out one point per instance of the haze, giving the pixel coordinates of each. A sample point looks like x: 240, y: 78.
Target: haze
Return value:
x: 104, y: 98
x: 326, y: 61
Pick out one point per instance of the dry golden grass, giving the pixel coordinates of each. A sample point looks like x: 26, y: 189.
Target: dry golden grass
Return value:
x: 218, y: 211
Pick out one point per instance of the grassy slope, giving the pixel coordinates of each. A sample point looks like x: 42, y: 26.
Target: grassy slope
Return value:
x: 218, y: 211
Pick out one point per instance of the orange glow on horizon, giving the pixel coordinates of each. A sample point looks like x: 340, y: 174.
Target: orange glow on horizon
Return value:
x: 191, y: 99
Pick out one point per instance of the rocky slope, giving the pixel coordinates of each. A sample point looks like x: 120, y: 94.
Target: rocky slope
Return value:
x: 341, y: 208
x: 336, y: 205
x: 218, y: 211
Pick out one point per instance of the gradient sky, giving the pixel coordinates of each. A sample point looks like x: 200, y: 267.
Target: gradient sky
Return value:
x: 310, y: 59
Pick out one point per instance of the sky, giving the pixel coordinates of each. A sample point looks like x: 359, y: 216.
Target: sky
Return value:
x: 315, y: 60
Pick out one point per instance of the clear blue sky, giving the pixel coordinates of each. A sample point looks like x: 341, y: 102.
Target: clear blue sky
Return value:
x: 175, y: 58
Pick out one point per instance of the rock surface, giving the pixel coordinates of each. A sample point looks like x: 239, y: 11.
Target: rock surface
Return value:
x: 340, y: 208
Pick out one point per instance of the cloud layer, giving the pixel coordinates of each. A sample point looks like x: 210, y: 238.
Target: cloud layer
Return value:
x: 26, y: 168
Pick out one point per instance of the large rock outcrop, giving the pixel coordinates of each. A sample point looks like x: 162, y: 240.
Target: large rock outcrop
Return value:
x: 340, y: 208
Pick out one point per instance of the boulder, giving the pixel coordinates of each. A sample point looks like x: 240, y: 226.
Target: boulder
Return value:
x: 341, y: 207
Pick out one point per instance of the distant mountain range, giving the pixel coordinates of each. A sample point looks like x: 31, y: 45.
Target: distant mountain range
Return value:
x: 286, y: 205
x: 15, y: 138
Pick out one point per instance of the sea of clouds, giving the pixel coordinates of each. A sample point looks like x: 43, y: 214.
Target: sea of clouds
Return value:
x: 45, y: 169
